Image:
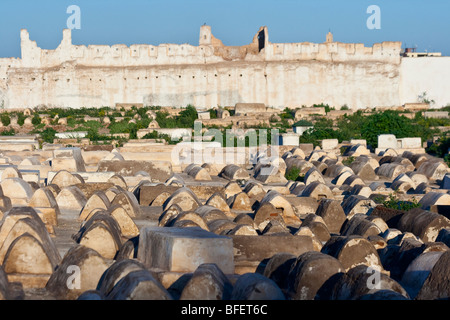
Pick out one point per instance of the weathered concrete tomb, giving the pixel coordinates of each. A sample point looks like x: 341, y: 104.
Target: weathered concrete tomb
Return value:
x: 132, y: 228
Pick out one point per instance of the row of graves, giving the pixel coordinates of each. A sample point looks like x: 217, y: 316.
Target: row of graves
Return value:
x: 151, y: 221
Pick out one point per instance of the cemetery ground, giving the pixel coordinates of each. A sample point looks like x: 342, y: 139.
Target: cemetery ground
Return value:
x: 326, y: 219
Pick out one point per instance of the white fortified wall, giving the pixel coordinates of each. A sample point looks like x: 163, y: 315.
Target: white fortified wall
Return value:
x: 426, y: 74
x: 211, y: 74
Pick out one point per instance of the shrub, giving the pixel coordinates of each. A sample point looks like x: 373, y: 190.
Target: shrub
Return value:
x: 143, y: 123
x: 91, y: 124
x: 212, y: 114
x: 393, y: 202
x: 5, y: 118
x: 71, y: 122
x: 322, y: 130
x: 283, y: 125
x: 40, y: 126
x: 446, y: 108
x: 292, y: 174
x: 66, y: 112
x: 164, y: 120
x: 347, y: 162
x: 119, y: 127
x: 425, y: 99
x: 273, y: 118
x: 151, y: 135
x: 133, y: 130
x: 441, y: 146
x: 447, y: 159
x: 21, y: 119
x: 287, y: 114
x: 36, y: 119
x: 10, y: 132
x: 326, y: 106
x: 430, y: 122
x: 156, y: 135
x: 185, y: 119
x: 130, y: 113
x: 48, y: 134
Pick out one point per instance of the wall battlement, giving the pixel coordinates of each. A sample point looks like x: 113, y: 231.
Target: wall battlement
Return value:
x: 210, y: 50
x: 210, y: 74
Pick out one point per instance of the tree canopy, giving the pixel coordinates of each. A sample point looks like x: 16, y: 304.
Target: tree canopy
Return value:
x: 359, y: 126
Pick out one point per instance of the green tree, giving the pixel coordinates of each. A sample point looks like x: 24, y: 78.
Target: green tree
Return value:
x: 322, y: 130
x: 165, y: 120
x: 359, y: 126
x: 390, y: 122
x: 350, y: 126
x: 187, y: 117
x: 48, y: 134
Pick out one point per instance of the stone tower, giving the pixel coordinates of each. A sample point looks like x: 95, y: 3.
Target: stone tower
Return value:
x: 205, y: 35
x: 329, y: 37
x: 67, y: 38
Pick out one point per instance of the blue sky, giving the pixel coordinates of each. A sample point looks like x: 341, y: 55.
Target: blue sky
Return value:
x: 420, y: 23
